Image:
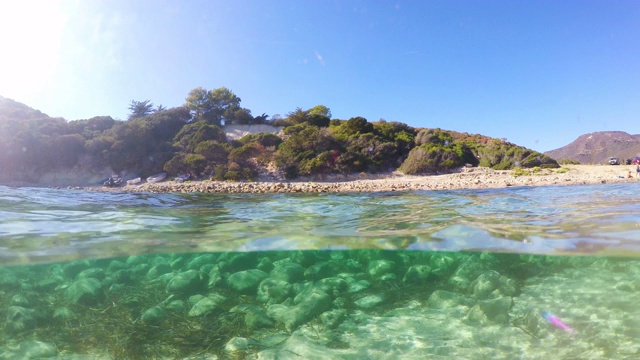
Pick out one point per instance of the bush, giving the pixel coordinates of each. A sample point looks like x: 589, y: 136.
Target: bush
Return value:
x: 430, y: 158
x: 520, y: 172
x: 264, y: 139
x: 566, y: 161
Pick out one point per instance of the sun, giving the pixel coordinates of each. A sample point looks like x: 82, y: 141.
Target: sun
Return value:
x: 30, y: 36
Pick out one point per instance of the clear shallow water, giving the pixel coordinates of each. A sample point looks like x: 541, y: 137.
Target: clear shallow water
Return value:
x: 40, y: 225
x: 451, y: 274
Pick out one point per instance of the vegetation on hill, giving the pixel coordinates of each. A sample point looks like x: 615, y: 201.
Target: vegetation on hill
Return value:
x: 191, y: 139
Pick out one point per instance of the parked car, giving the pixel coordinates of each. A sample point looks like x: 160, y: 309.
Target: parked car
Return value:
x: 614, y: 161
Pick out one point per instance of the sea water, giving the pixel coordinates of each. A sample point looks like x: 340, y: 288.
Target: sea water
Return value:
x: 515, y: 273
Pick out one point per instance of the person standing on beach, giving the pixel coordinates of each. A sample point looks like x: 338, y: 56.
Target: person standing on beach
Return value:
x: 637, y: 170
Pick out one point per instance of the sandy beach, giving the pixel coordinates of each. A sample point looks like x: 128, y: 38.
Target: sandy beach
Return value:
x: 464, y: 178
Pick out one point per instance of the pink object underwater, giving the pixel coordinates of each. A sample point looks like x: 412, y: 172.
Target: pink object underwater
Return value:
x: 557, y: 322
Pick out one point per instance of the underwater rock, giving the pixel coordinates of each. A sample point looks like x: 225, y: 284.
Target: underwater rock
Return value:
x: 238, y: 344
x: 273, y: 291
x: 333, y: 286
x: 308, y: 258
x: 134, y: 260
x: 417, y: 274
x: 47, y: 284
x: 246, y: 281
x: 442, y: 265
x: 314, y: 303
x: 265, y: 264
x: 95, y: 273
x: 207, y: 305
x: 287, y: 271
x: 319, y: 270
x: 441, y: 299
x: 215, y: 277
x: 492, y: 310
x: 72, y: 269
x: 370, y: 301
x: 8, y: 281
x: 507, y: 287
x: 20, y: 319
x: 486, y: 283
x: 332, y: 318
x: 195, y: 298
x: 529, y: 321
x: 19, y: 300
x: 154, y: 315
x: 339, y: 302
x: 466, y: 272
x: 36, y: 350
x: 353, y: 265
x: 116, y: 265
x: 62, y: 314
x: 234, y: 262
x: 175, y: 305
x: 355, y: 286
x: 379, y: 268
x: 178, y: 262
x: 140, y: 270
x: 123, y: 277
x: 254, y: 317
x: 158, y: 270
x: 201, y: 260
x: 188, y: 282
x: 84, y: 291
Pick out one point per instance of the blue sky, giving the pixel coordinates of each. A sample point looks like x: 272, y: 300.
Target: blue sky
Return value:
x: 539, y: 73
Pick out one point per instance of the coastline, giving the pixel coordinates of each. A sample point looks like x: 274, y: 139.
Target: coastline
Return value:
x: 464, y: 178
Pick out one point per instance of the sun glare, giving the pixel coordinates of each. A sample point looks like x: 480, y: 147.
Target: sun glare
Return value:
x: 30, y: 35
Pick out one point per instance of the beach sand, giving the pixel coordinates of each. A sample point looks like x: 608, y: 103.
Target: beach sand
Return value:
x: 464, y: 178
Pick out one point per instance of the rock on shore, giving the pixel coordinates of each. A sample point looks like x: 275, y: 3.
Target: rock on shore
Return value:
x: 464, y: 178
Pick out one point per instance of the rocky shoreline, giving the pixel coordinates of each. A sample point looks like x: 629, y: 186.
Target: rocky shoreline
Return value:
x: 464, y: 178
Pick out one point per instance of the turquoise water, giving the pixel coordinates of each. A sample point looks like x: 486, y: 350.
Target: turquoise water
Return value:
x: 449, y: 274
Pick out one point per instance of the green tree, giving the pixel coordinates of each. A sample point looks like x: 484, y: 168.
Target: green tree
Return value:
x: 320, y: 110
x: 193, y: 134
x: 140, y: 109
x: 213, y: 106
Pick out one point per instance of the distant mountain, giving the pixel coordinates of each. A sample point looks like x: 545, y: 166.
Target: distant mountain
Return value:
x: 598, y: 147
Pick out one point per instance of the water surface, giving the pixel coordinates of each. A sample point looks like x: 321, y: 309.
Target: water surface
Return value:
x: 411, y: 275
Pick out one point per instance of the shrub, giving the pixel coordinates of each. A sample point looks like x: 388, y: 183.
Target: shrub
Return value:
x: 430, y: 158
x: 520, y: 172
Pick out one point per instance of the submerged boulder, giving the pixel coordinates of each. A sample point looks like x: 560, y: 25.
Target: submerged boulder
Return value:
x: 312, y: 304
x: 273, y: 291
x: 72, y: 269
x: 187, y: 283
x: 287, y: 271
x: 254, y: 316
x: 36, y: 350
x: 20, y: 319
x: 207, y: 305
x: 370, y: 301
x: 379, y: 268
x: 84, y: 291
x: 246, y: 281
x: 441, y: 299
x: 467, y: 272
x: 490, y: 311
x: 417, y: 274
